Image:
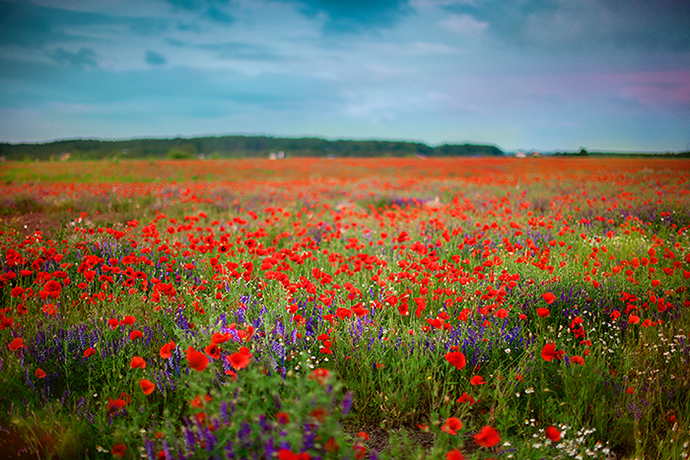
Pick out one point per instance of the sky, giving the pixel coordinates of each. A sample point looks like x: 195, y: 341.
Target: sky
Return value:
x: 519, y: 74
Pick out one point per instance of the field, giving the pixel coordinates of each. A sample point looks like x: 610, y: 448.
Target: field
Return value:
x: 350, y: 308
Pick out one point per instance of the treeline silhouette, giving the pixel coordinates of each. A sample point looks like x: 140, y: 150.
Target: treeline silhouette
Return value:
x: 232, y: 147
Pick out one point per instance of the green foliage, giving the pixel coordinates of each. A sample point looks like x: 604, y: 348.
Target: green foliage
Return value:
x: 232, y: 147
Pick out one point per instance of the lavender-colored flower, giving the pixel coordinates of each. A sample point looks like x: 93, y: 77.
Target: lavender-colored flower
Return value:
x: 189, y: 439
x: 150, y: 449
x: 224, y: 412
x: 346, y: 404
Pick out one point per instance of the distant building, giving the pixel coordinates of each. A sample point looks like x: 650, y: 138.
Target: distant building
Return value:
x: 521, y: 154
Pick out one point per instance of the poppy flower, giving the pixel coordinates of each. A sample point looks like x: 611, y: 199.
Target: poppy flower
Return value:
x: 115, y: 405
x: 118, y: 450
x: 283, y: 417
x: 553, y: 434
x: 16, y: 344
x: 241, y: 359
x: 548, y: 297
x: 548, y: 352
x: 320, y: 375
x: 197, y: 360
x: 543, y: 312
x: 465, y: 398
x: 147, y: 386
x: 454, y: 455
x: 360, y: 451
x: 213, y: 351
x: 477, y: 380
x: 40, y: 373
x: 136, y: 334
x: 457, y: 359
x: 52, y: 288
x: 167, y: 349
x: 139, y: 362
x: 487, y: 437
x: 89, y: 352
x: 284, y: 454
x: 577, y: 360
x: 333, y: 446
x: 452, y: 426
x: 218, y: 338
x: 128, y: 320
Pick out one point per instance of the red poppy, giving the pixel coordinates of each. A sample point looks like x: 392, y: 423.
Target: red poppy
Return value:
x: 487, y: 437
x: 147, y: 386
x: 167, y: 349
x: 284, y: 454
x: 89, y: 352
x: 52, y: 288
x: 454, y: 455
x: 135, y: 335
x: 543, y: 312
x: 360, y: 451
x: 113, y: 323
x: 465, y: 398
x: 40, y: 373
x: 548, y: 352
x: 128, y: 320
x: 548, y: 297
x: 457, y: 359
x: 241, y: 359
x: 577, y: 360
x: 138, y: 362
x: 16, y: 344
x: 320, y: 375
x: 115, y: 405
x: 218, y: 338
x: 332, y: 445
x: 452, y: 426
x: 213, y: 351
x: 118, y: 450
x: 553, y: 434
x: 283, y: 417
x: 197, y: 360
x: 477, y: 380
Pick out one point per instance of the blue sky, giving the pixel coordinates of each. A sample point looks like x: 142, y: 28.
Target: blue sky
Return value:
x: 523, y: 74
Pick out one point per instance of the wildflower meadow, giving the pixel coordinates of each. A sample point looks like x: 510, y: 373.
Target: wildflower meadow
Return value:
x: 346, y: 309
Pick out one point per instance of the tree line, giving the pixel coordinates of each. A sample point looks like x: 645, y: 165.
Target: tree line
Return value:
x: 232, y: 147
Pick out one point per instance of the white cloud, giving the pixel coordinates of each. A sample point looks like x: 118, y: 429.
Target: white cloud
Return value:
x: 464, y: 24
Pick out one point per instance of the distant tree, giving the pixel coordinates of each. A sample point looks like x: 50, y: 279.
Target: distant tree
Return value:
x: 179, y: 154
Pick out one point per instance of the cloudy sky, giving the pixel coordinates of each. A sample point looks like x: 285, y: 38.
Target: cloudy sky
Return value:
x: 519, y: 74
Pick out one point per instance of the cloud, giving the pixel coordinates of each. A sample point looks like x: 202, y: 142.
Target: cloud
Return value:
x: 85, y: 57
x: 584, y: 25
x: 214, y: 10
x: 154, y: 58
x: 351, y: 16
x: 464, y: 24
x: 25, y: 24
x: 233, y: 50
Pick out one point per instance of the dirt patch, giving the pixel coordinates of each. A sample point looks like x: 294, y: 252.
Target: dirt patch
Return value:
x: 49, y: 224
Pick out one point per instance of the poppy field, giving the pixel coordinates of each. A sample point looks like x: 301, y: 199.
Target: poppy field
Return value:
x: 330, y: 309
